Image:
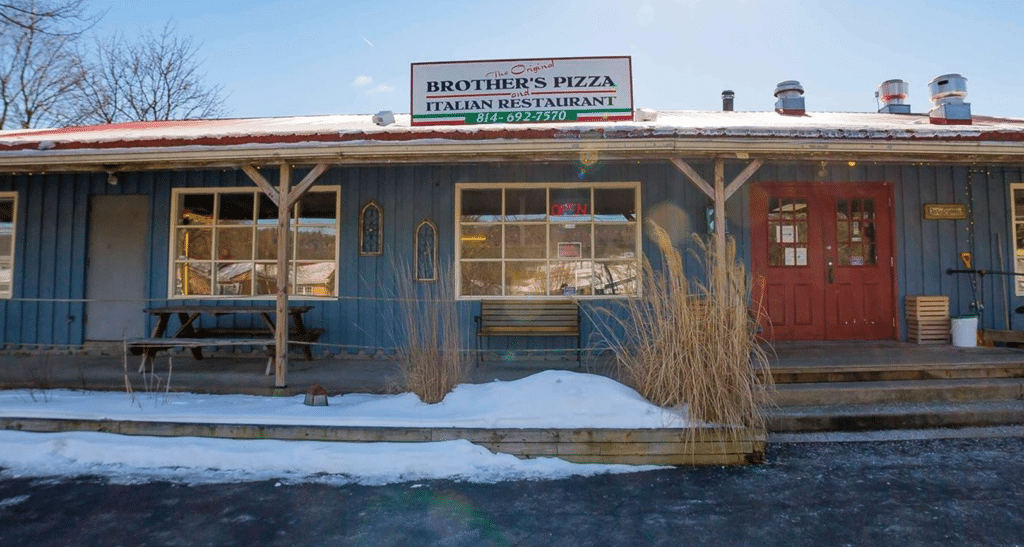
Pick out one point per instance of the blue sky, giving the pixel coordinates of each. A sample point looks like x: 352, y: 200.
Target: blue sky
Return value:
x: 297, y: 57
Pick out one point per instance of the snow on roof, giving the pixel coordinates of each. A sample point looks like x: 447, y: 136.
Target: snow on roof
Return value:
x: 360, y: 129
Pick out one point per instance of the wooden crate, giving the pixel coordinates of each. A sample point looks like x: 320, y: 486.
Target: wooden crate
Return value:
x: 927, y: 307
x: 928, y: 331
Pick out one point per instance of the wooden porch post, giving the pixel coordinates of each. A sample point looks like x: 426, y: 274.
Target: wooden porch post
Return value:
x: 720, y: 259
x: 283, y: 261
x: 718, y: 193
x: 285, y: 198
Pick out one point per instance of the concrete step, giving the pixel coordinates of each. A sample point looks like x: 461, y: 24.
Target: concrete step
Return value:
x: 895, y: 372
x: 918, y: 391
x: 896, y: 416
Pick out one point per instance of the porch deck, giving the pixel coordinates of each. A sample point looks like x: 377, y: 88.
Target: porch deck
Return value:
x: 229, y: 373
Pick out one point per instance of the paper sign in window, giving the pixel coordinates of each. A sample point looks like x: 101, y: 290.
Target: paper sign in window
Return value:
x: 570, y: 250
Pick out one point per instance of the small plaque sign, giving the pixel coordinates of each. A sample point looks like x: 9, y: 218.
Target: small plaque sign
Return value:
x: 945, y: 211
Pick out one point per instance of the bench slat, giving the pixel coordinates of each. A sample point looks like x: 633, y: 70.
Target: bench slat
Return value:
x: 529, y: 318
x: 145, y: 343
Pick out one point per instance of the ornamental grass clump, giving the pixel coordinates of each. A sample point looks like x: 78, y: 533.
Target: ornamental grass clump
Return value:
x: 430, y: 355
x: 694, y: 343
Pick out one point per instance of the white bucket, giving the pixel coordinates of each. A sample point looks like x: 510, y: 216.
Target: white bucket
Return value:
x: 964, y: 331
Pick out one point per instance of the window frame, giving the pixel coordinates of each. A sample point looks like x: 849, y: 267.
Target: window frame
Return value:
x: 416, y: 252
x: 293, y: 229
x: 13, y: 197
x: 548, y: 186
x: 372, y: 204
x: 1018, y: 259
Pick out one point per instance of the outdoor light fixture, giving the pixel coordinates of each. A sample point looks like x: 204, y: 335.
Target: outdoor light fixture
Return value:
x: 111, y: 178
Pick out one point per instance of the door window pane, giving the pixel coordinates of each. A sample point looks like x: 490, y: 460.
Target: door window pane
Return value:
x: 787, y: 232
x: 855, y: 233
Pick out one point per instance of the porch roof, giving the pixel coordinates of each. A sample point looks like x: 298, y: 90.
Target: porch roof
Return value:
x: 356, y: 139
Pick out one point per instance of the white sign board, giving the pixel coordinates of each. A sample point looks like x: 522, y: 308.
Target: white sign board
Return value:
x: 522, y: 91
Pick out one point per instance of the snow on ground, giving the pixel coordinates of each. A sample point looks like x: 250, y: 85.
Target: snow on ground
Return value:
x: 550, y: 399
x: 547, y: 399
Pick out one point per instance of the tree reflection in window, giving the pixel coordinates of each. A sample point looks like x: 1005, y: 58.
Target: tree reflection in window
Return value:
x: 426, y: 251
x: 371, y: 221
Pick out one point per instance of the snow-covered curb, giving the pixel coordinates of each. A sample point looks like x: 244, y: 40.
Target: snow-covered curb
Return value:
x: 551, y: 399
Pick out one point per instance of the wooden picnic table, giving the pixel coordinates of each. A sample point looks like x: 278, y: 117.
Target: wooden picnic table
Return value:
x: 188, y: 315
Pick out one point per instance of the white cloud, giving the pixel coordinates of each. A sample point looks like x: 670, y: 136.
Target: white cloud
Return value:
x: 382, y: 88
x: 362, y: 80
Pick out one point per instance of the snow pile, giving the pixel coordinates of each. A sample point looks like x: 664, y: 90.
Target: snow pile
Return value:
x: 192, y: 460
x: 551, y: 399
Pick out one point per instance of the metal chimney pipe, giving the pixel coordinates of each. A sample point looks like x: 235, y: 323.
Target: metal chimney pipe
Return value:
x: 727, y: 100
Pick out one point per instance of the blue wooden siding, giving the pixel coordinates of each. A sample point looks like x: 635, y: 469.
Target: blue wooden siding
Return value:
x: 52, y: 235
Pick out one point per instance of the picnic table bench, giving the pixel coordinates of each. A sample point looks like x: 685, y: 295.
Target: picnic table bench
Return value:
x: 188, y: 335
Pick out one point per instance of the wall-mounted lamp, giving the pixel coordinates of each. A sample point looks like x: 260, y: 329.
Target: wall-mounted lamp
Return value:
x: 111, y: 178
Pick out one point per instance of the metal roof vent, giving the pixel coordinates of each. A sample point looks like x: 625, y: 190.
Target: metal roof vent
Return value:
x: 645, y: 115
x: 892, y: 93
x: 948, y: 106
x: 727, y: 100
x: 384, y: 118
x: 790, y: 95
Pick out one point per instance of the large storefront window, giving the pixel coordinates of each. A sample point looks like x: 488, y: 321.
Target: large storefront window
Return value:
x: 225, y: 243
x: 1017, y: 199
x: 526, y: 240
x: 8, y: 206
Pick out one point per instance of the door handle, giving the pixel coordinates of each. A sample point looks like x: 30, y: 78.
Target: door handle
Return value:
x: 831, y: 272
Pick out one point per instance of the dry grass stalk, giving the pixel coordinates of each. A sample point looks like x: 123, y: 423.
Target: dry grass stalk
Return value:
x: 695, y: 343
x: 430, y: 355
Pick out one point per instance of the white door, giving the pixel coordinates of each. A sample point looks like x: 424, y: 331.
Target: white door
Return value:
x: 116, y: 271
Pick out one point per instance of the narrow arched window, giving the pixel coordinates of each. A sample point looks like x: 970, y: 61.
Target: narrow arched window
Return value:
x: 371, y: 222
x: 426, y: 251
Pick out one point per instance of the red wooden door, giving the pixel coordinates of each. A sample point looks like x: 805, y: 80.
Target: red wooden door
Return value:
x: 822, y: 260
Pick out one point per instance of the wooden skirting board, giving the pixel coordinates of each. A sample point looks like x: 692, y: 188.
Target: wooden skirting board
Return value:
x: 674, y: 446
x: 1003, y: 336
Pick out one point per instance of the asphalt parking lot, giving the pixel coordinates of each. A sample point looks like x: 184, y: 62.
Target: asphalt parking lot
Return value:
x: 922, y: 492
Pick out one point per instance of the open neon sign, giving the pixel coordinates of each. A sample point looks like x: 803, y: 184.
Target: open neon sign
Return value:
x: 566, y: 209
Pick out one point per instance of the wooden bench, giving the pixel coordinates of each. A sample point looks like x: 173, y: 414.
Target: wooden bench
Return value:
x: 528, y: 318
x: 149, y: 346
